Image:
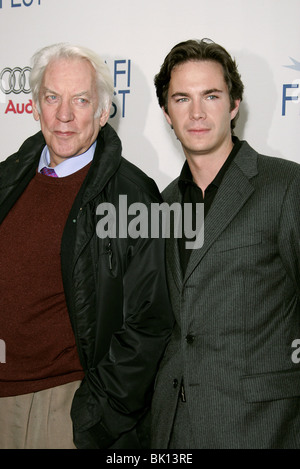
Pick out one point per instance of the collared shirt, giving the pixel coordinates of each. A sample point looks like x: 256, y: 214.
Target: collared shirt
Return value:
x: 69, y: 165
x: 191, y: 193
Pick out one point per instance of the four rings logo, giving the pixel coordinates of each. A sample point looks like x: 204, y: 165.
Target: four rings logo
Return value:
x: 15, y: 80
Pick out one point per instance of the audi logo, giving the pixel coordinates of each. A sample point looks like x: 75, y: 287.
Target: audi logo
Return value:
x: 15, y: 80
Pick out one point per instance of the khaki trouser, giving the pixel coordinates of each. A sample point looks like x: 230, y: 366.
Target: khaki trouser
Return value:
x: 39, y: 420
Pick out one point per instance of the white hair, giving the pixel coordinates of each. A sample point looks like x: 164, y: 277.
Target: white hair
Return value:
x: 48, y: 54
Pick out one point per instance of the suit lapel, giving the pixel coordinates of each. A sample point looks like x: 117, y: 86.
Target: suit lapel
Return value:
x: 233, y: 193
x: 172, y: 251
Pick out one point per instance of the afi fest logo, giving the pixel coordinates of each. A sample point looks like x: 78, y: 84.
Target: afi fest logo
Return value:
x: 18, y: 3
x: 2, y: 351
x: 121, y: 71
x: 290, y: 91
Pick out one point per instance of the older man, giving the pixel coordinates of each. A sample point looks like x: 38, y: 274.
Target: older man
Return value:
x: 81, y: 313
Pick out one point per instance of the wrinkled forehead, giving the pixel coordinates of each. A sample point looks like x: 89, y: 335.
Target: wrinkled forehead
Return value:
x: 70, y: 73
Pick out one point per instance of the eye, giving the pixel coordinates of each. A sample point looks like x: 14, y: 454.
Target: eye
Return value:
x: 51, y: 98
x: 81, y: 101
x: 181, y: 100
x: 211, y: 97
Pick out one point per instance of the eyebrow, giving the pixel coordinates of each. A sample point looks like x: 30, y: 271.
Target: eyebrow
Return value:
x: 212, y: 90
x: 81, y: 93
x: 204, y: 93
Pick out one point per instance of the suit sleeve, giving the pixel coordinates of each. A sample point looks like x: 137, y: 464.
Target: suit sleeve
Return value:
x: 117, y: 392
x: 289, y: 232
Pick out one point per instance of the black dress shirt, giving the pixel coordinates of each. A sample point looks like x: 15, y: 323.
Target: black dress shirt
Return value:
x: 192, y: 194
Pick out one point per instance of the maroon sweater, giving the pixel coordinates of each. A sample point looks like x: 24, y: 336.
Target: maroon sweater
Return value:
x: 34, y: 320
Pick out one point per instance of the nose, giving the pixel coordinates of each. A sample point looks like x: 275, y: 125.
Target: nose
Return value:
x: 64, y: 111
x: 197, y: 110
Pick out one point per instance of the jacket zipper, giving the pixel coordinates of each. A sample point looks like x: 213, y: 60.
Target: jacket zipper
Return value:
x: 109, y: 252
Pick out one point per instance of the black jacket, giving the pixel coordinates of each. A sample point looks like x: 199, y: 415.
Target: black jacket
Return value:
x: 115, y: 290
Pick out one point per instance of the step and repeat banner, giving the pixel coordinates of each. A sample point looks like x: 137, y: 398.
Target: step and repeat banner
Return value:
x: 133, y: 37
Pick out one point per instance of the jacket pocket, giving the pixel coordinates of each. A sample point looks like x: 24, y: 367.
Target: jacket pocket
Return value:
x: 271, y: 386
x: 235, y: 242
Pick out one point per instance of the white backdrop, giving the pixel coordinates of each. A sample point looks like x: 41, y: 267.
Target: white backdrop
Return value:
x: 134, y: 37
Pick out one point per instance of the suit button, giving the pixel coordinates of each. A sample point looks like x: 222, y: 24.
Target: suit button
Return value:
x: 190, y: 338
x: 175, y: 383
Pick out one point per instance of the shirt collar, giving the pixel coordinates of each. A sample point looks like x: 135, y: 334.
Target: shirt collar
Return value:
x: 69, y: 165
x: 186, y: 175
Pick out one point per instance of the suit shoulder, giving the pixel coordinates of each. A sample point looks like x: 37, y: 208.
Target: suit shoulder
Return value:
x: 27, y: 149
x: 269, y: 167
x: 135, y: 178
x: 279, y: 167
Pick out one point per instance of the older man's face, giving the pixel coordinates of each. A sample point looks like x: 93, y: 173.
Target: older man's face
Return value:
x: 68, y: 103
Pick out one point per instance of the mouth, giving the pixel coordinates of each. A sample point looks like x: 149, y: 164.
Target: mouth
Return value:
x: 197, y: 131
x: 66, y: 134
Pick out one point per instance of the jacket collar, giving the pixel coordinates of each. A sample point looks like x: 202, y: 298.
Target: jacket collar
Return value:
x: 24, y: 162
x: 232, y: 194
x: 17, y: 171
x: 106, y: 161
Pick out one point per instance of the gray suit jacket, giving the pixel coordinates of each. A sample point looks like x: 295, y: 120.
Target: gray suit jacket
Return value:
x: 237, y: 313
